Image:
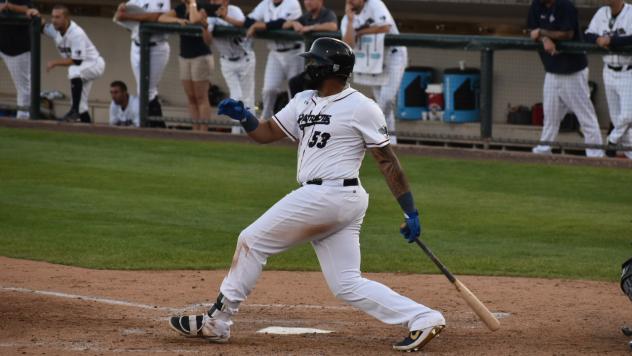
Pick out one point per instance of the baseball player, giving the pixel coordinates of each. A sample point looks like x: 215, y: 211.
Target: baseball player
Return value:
x: 334, y: 126
x: 124, y: 108
x: 158, y: 46
x: 15, y: 51
x: 79, y: 55
x: 612, y: 27
x: 363, y: 17
x: 283, y: 61
x: 566, y: 80
x: 237, y: 58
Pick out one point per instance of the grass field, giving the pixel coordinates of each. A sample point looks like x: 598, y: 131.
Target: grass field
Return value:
x: 129, y: 203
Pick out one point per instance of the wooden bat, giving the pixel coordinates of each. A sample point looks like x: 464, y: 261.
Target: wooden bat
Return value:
x: 477, y: 306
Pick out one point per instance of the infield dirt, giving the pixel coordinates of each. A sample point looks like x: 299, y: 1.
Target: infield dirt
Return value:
x: 114, y: 312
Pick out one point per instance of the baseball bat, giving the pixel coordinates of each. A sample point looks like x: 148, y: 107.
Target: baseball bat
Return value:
x: 475, y: 304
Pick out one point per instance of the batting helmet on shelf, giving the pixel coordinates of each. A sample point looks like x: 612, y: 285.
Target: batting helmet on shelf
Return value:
x: 326, y: 58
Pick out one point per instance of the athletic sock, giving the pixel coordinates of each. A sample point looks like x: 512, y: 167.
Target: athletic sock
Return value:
x: 76, y: 87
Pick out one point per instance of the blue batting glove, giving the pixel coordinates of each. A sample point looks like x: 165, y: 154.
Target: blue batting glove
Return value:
x: 232, y: 108
x: 412, y: 229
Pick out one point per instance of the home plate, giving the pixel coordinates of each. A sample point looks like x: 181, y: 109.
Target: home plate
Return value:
x: 281, y: 330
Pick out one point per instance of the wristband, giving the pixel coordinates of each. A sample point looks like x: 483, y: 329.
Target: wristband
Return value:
x: 249, y: 122
x: 407, y: 203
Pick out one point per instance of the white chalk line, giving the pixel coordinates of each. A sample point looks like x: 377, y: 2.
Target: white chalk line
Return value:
x: 103, y: 300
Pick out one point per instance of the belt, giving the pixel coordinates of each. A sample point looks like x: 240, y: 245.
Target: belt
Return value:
x: 234, y: 59
x: 351, y: 182
x: 619, y: 69
x: 151, y: 44
x: 394, y: 50
x: 296, y: 46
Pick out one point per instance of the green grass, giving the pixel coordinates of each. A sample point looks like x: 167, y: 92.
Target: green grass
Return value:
x: 127, y: 203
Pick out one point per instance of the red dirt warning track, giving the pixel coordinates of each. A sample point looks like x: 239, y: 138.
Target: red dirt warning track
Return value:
x: 58, y: 310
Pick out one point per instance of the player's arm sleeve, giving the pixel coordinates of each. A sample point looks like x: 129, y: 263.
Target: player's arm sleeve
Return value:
x: 257, y: 13
x: 286, y: 120
x: 275, y: 24
x: 532, y: 18
x: 370, y: 122
x: 49, y: 30
x: 330, y: 17
x: 592, y: 32
x: 136, y: 109
x: 568, y: 20
x: 236, y: 14
x: 112, y: 114
x: 619, y: 41
x: 294, y: 11
x: 343, y: 25
x: 78, y: 48
x: 382, y: 16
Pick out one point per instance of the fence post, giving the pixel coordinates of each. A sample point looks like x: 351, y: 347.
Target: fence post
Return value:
x: 143, y: 96
x: 36, y: 58
x: 487, y: 79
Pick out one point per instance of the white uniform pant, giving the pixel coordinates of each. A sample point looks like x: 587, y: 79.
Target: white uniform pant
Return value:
x: 565, y: 93
x: 330, y: 217
x: 280, y: 67
x: 88, y: 72
x: 158, y: 59
x: 20, y: 70
x: 386, y: 95
x: 619, y: 95
x: 240, y: 78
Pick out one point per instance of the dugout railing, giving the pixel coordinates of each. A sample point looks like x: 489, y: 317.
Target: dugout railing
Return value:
x: 485, y: 45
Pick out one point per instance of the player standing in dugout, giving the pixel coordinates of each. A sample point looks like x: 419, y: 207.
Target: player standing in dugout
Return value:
x: 566, y: 80
x: 365, y: 17
x: 283, y: 57
x: 236, y: 57
x: 159, y: 49
x: 610, y: 28
x: 334, y: 126
x: 15, y: 51
x: 79, y: 54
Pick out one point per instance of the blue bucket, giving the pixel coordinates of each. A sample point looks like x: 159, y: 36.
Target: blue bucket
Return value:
x: 412, y: 100
x: 461, y: 90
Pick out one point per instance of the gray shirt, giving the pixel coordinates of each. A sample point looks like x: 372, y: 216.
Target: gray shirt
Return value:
x: 325, y: 15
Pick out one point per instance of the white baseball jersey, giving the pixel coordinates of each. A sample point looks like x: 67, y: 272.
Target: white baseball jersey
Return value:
x: 267, y: 11
x: 74, y: 44
x: 373, y: 14
x: 603, y: 24
x: 333, y: 132
x: 128, y: 117
x: 161, y: 6
x: 230, y: 47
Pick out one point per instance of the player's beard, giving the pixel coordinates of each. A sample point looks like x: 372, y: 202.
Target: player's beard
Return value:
x: 311, y: 83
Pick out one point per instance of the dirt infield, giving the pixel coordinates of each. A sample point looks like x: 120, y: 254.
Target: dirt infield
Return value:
x: 58, y: 310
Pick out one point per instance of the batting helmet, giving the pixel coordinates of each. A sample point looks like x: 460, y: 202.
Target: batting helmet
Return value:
x: 326, y: 58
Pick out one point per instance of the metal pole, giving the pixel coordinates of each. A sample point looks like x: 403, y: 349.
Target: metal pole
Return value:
x: 144, y: 76
x: 36, y: 50
x: 487, y: 79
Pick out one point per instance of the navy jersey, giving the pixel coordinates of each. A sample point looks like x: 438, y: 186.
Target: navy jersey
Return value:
x: 561, y: 16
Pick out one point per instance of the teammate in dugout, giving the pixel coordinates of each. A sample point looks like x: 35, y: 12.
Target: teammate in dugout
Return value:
x: 611, y: 27
x: 124, y: 108
x: 237, y: 58
x: 334, y: 126
x: 15, y: 51
x: 283, y: 61
x: 365, y: 17
x: 159, y: 49
x: 566, y: 80
x: 84, y: 62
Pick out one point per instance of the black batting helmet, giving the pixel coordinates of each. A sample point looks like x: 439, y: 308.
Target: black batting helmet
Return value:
x: 328, y: 57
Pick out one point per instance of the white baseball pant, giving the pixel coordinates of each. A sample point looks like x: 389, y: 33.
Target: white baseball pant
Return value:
x: 240, y: 78
x: 88, y: 72
x: 565, y: 93
x: 158, y: 59
x: 386, y: 95
x: 281, y: 66
x: 330, y: 218
x: 20, y: 70
x: 619, y: 95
